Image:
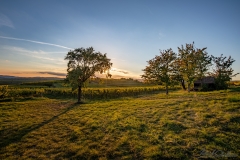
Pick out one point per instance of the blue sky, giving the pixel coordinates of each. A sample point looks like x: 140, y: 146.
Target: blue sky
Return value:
x: 35, y: 36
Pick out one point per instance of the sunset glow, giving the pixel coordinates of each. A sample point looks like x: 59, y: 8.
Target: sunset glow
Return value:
x: 35, y: 36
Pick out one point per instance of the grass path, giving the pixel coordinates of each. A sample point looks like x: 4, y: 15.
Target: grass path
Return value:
x: 148, y: 127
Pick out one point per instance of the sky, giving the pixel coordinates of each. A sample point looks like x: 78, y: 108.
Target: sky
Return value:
x: 35, y: 36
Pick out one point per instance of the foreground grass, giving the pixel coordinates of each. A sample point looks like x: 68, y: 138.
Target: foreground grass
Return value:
x: 187, y: 126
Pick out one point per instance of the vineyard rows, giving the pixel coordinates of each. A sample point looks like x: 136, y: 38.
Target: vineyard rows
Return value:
x: 88, y: 93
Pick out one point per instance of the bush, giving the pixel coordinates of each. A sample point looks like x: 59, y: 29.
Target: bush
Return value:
x: 3, y: 91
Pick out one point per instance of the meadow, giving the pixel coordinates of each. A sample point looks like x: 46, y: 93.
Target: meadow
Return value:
x: 144, y: 125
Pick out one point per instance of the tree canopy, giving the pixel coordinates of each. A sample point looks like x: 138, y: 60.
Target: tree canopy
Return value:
x: 193, y: 63
x: 84, y: 63
x: 223, y: 71
x: 160, y: 69
x: 189, y: 65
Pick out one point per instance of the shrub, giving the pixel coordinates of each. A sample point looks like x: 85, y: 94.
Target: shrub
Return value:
x: 3, y: 91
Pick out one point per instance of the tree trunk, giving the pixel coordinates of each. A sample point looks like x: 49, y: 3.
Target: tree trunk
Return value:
x: 183, y: 84
x: 79, y: 93
x: 189, y: 87
x: 166, y: 89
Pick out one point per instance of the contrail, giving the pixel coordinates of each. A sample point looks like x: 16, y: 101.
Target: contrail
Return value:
x: 50, y: 44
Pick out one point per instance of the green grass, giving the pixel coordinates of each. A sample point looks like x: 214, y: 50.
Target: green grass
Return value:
x: 153, y: 126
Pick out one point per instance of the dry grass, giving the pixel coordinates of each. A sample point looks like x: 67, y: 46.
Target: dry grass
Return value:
x: 181, y: 125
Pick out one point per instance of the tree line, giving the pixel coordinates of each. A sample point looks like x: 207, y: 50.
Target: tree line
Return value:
x: 188, y: 65
x: 168, y: 68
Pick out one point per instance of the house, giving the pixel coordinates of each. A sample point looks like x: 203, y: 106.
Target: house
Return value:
x: 207, y: 82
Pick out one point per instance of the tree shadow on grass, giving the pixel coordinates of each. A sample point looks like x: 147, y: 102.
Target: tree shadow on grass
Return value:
x: 16, y: 137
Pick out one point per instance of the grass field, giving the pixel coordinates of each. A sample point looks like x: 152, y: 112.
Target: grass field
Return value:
x: 153, y: 126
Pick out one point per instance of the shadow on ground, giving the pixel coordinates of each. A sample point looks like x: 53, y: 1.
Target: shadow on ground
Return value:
x: 16, y: 137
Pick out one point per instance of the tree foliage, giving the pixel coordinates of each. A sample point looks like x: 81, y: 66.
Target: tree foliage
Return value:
x: 193, y: 63
x: 160, y: 69
x: 204, y: 61
x: 3, y: 91
x: 189, y: 65
x: 83, y: 63
x: 223, y: 71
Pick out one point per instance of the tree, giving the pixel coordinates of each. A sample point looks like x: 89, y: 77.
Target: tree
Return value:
x: 177, y: 76
x: 204, y: 61
x: 83, y: 64
x: 160, y: 69
x: 223, y: 71
x: 192, y: 64
x: 187, y: 63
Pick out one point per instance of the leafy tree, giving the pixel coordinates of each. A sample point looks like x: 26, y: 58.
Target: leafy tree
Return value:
x: 187, y: 63
x: 223, y: 71
x: 177, y: 76
x: 192, y: 64
x: 83, y: 64
x: 204, y: 61
x: 160, y: 69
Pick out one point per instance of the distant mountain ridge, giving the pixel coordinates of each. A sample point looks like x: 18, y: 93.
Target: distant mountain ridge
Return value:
x: 6, y: 76
x: 16, y: 77
x: 9, y: 80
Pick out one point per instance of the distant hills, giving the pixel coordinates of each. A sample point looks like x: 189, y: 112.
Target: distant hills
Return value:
x: 15, y: 77
x: 6, y: 79
x: 12, y: 80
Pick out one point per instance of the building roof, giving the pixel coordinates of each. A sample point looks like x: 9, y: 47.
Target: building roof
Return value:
x: 206, y: 80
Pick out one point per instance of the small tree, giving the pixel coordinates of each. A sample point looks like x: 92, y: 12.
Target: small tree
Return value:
x: 204, y: 61
x: 3, y: 91
x: 223, y: 71
x: 83, y: 64
x: 160, y: 69
x: 187, y: 62
x: 192, y: 63
x: 177, y: 76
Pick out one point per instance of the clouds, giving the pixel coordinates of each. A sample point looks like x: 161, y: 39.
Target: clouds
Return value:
x: 5, y: 21
x: 124, y: 72
x: 35, y: 74
x: 38, y: 54
x: 54, y: 73
x: 119, y: 70
x: 31, y: 62
x: 27, y: 40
